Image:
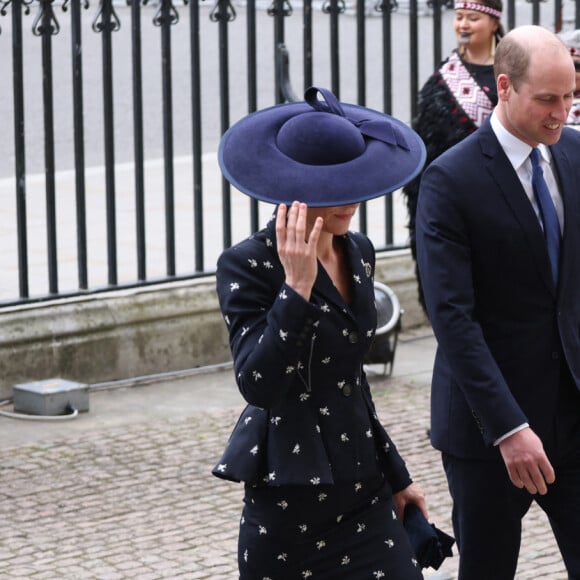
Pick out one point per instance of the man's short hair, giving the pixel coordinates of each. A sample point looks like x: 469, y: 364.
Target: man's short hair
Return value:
x: 512, y: 57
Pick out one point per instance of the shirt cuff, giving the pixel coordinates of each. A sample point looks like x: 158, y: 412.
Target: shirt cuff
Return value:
x: 509, y: 433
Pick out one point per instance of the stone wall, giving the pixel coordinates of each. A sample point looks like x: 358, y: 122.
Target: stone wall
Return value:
x: 144, y: 331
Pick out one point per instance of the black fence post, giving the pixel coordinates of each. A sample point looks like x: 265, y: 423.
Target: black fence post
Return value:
x: 79, y: 141
x: 138, y: 138
x: 223, y: 13
x: 195, y: 50
x: 45, y: 26
x: 107, y: 22
x: 19, y: 145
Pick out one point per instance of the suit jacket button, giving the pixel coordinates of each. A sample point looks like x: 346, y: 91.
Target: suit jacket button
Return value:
x: 353, y: 337
x: 347, y: 390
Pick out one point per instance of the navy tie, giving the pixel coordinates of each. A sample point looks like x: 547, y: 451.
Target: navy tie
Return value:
x: 547, y: 212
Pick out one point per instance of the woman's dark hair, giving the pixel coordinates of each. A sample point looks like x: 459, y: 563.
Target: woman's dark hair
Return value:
x: 496, y: 5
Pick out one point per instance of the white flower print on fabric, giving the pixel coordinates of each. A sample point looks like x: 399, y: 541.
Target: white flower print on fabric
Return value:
x: 324, y: 411
x: 248, y: 420
x: 325, y: 307
x: 296, y: 450
x: 341, y: 383
x: 222, y: 467
x: 234, y: 286
x: 290, y: 369
x: 268, y: 265
x: 283, y: 556
x: 356, y: 278
x: 325, y: 360
x: 275, y: 421
x: 378, y: 574
x: 257, y: 375
x: 303, y: 528
x: 357, y: 486
x: 345, y: 332
x: 360, y: 528
x: 245, y: 555
x: 283, y: 295
x: 315, y: 481
x: 345, y: 561
x: 262, y: 530
x: 320, y: 544
x: 272, y: 476
x: 254, y: 450
x: 369, y: 433
x: 304, y: 397
x: 307, y: 574
x: 344, y: 437
x: 227, y: 319
x: 390, y: 543
x: 339, y: 518
x: 253, y: 262
x: 283, y: 334
x: 322, y: 497
x: 283, y: 504
x: 370, y: 333
x: 245, y: 329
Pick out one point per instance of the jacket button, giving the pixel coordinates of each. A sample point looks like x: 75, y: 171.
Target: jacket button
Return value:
x: 353, y: 337
x: 347, y: 390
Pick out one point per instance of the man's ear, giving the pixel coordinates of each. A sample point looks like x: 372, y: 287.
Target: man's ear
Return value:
x: 504, y: 87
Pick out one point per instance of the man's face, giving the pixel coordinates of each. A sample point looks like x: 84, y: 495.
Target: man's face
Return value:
x: 537, y: 111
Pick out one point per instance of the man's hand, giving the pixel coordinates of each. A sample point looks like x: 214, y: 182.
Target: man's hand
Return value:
x: 527, y: 464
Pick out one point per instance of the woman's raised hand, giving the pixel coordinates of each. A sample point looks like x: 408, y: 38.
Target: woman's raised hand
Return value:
x: 297, y: 247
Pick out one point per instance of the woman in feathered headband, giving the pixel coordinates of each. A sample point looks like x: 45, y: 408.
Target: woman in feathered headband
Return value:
x: 461, y: 93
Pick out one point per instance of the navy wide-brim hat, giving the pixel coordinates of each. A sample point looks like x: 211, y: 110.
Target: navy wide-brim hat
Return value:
x: 320, y: 151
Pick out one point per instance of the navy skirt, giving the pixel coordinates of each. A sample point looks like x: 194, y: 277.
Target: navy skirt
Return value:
x: 339, y: 532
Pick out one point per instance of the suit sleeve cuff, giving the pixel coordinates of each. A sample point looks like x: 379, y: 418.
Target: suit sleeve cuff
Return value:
x: 510, y: 433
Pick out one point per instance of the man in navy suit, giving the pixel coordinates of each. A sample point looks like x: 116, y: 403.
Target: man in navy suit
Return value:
x: 506, y: 382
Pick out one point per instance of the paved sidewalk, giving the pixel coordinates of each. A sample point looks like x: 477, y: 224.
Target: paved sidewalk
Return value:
x: 124, y: 491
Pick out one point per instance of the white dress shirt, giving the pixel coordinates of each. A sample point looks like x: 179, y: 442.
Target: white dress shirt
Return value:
x: 518, y: 154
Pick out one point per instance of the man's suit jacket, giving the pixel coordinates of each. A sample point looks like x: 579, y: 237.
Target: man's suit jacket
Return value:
x: 310, y: 417
x: 501, y: 325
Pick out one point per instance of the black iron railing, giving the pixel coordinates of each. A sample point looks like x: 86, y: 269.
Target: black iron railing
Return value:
x: 110, y: 84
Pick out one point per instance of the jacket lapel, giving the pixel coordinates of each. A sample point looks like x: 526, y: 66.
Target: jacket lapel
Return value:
x: 362, y: 288
x: 511, y: 189
x: 569, y: 187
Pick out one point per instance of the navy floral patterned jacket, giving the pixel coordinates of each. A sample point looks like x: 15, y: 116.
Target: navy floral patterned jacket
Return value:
x: 310, y: 418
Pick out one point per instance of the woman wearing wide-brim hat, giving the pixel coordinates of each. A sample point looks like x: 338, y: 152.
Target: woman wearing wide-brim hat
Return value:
x: 323, y: 480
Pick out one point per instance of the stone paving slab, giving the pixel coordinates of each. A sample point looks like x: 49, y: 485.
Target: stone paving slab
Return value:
x: 135, y: 499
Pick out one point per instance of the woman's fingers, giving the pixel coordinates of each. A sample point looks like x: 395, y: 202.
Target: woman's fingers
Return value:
x: 281, y: 224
